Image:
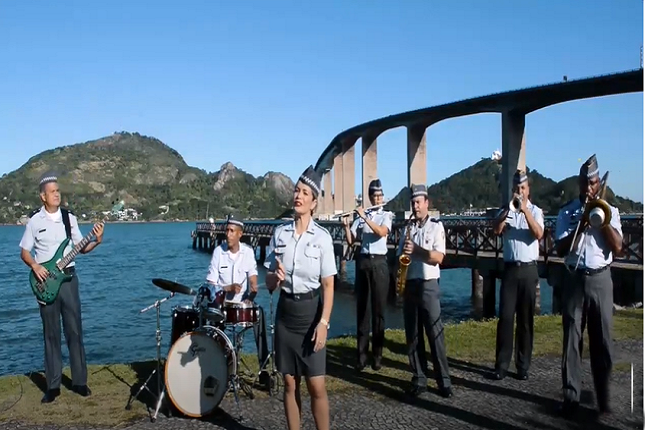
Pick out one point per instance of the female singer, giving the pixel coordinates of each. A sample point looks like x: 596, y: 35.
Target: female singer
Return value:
x: 300, y: 260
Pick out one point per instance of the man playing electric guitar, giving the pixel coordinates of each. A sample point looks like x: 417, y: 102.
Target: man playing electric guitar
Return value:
x: 47, y: 228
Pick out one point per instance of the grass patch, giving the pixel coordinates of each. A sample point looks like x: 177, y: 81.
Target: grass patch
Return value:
x: 467, y: 343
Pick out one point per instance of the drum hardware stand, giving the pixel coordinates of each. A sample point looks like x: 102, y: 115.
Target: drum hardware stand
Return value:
x: 160, y: 393
x: 240, y: 382
x: 273, y: 372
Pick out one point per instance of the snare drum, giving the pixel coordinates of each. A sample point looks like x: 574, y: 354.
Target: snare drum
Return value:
x: 241, y: 314
x: 186, y: 319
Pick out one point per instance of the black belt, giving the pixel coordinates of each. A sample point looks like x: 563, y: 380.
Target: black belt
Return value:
x: 373, y: 256
x: 305, y: 296
x: 589, y: 272
x: 69, y: 270
x: 520, y: 263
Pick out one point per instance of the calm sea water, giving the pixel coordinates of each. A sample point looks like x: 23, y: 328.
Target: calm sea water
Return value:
x: 115, y: 282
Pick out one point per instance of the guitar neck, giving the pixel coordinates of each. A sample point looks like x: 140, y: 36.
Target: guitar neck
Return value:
x: 74, y: 252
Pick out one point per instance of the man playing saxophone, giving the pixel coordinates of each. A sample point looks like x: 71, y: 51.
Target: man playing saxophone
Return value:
x: 522, y: 226
x: 589, y: 291
x: 426, y: 247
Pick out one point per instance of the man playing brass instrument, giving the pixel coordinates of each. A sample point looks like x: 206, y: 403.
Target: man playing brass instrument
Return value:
x: 589, y: 291
x: 421, y: 305
x: 522, y: 229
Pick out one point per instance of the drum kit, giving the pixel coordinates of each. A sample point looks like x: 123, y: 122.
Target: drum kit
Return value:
x: 203, y: 364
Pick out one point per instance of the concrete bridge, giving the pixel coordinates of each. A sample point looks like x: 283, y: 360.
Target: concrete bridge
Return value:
x: 338, y: 159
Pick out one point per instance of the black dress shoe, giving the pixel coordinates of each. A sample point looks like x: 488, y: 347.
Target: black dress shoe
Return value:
x: 82, y: 390
x: 445, y: 392
x: 498, y: 375
x: 568, y: 408
x: 416, y: 391
x: 50, y: 395
x: 522, y: 375
x: 376, y: 364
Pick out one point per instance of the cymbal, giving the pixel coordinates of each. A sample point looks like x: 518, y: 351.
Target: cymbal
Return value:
x: 173, y: 286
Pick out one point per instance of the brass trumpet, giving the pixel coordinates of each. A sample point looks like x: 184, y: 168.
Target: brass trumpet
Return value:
x: 404, y: 262
x: 515, y: 204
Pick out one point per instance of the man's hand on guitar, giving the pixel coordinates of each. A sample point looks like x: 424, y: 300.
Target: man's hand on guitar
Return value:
x: 97, y: 230
x: 40, y: 272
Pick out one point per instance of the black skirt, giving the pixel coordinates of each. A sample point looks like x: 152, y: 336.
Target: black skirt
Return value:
x: 295, y: 323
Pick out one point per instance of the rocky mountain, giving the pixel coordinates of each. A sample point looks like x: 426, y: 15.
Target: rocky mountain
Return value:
x: 146, y: 175
x: 478, y: 185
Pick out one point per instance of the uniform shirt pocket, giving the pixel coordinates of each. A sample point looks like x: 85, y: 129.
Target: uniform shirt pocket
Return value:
x: 312, y: 252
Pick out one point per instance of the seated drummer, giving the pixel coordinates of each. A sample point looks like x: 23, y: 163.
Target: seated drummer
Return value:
x: 232, y: 268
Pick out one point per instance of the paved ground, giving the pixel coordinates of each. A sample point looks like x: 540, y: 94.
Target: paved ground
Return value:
x: 478, y: 403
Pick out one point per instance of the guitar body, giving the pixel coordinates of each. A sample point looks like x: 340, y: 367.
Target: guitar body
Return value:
x: 47, y: 291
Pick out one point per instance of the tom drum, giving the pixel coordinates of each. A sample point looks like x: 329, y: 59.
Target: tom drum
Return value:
x: 241, y: 314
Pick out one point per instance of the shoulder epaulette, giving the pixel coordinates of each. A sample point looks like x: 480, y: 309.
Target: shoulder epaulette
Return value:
x: 68, y: 211
x: 435, y: 220
x: 320, y: 227
x: 34, y: 212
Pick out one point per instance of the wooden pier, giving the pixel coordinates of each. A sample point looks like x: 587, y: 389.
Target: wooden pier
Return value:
x: 470, y: 243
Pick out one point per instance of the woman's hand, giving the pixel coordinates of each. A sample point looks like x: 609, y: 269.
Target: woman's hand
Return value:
x: 320, y: 337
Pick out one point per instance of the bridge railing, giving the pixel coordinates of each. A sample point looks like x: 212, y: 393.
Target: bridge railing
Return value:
x: 464, y: 236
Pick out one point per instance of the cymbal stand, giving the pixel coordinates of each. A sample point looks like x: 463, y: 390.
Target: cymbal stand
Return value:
x: 274, y: 375
x: 160, y: 394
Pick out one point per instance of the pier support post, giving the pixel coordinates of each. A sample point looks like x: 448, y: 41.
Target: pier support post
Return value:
x: 513, y: 150
x: 537, y: 299
x: 369, y: 166
x: 477, y: 294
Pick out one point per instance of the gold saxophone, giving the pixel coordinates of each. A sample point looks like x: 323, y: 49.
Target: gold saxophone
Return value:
x: 404, y: 262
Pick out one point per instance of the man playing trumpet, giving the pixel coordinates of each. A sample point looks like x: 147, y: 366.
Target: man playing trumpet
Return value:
x: 589, y: 291
x: 522, y: 225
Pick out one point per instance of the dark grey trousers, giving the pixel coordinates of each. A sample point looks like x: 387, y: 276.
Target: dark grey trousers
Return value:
x: 592, y: 296
x: 422, y: 310
x: 517, y: 296
x: 372, y: 284
x: 67, y: 305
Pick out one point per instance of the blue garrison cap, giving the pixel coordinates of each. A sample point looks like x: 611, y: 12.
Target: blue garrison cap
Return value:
x: 590, y: 168
x: 312, y: 179
x: 520, y: 177
x: 418, y: 190
x: 375, y: 186
x: 232, y: 219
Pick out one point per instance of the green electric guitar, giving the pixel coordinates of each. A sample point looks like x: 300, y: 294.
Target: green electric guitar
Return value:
x: 47, y: 291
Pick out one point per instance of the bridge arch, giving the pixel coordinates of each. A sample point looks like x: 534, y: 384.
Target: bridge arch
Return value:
x: 338, y: 158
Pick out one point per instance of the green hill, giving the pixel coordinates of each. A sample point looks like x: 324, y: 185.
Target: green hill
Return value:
x: 145, y: 174
x: 478, y: 185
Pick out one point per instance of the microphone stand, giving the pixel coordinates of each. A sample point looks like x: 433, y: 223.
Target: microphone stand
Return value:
x: 160, y: 395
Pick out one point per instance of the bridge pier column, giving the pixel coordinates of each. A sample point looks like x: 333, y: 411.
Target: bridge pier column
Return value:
x: 328, y: 195
x: 338, y: 184
x: 417, y: 157
x: 513, y: 151
x: 369, y: 165
x: 349, y: 176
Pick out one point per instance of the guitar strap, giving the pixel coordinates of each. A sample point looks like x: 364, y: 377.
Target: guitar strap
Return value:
x: 68, y: 226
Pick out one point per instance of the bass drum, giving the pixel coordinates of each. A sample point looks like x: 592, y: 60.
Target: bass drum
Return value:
x: 198, y: 370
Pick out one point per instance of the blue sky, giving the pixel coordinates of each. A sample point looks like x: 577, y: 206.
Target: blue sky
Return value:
x: 267, y: 85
